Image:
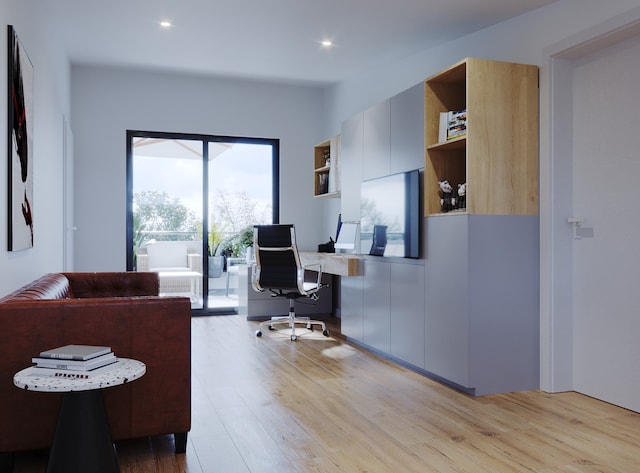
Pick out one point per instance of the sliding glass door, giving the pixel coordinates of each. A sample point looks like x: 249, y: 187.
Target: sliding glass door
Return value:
x: 192, y: 202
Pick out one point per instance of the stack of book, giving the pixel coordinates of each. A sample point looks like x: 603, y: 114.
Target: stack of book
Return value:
x: 74, y: 361
x: 453, y: 124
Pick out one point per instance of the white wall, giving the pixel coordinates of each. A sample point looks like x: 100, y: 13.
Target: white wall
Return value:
x: 51, y: 103
x: 522, y: 39
x: 106, y: 102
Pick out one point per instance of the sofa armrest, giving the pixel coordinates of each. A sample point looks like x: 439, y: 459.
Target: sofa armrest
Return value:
x: 113, y: 284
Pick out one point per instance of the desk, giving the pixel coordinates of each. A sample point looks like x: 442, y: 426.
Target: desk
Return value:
x: 82, y: 441
x: 341, y: 264
x: 259, y: 305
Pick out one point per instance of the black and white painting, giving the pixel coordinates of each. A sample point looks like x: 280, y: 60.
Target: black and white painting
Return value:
x: 20, y: 103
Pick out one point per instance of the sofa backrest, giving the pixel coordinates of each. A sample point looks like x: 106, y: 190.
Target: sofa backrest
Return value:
x: 87, y: 285
x: 49, y: 286
x: 113, y: 284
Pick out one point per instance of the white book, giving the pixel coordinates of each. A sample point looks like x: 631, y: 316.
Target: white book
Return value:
x: 75, y: 365
x: 75, y: 352
x: 37, y: 371
x: 444, y: 125
x: 456, y: 124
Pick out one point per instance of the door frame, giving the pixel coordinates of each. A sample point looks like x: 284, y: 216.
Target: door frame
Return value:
x: 556, y: 193
x: 205, y: 139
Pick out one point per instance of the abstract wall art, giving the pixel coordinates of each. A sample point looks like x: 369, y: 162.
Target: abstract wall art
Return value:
x: 20, y: 120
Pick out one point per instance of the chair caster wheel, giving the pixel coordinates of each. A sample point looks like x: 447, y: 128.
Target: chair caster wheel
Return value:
x: 258, y: 333
x: 325, y: 333
x: 271, y: 327
x: 293, y: 338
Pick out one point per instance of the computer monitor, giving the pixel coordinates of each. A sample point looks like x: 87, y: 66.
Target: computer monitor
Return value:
x: 347, y: 236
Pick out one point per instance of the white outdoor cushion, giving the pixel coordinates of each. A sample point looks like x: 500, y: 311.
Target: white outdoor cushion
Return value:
x: 164, y: 255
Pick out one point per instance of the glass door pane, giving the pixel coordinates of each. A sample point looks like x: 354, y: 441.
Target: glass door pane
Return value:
x: 167, y: 213
x: 240, y: 195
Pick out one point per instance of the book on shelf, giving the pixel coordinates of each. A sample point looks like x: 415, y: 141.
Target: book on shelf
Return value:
x: 37, y: 371
x: 75, y: 365
x: 456, y: 124
x: 442, y: 130
x: 75, y: 352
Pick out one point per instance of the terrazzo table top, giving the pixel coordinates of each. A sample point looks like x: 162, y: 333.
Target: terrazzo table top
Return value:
x: 121, y: 372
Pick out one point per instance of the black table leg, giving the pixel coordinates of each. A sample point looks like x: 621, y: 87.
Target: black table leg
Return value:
x: 82, y: 441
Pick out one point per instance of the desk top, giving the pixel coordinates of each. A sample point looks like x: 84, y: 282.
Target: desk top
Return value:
x: 122, y: 371
x: 342, y: 264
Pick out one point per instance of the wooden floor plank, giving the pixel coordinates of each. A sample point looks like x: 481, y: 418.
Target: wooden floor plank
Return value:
x: 320, y: 404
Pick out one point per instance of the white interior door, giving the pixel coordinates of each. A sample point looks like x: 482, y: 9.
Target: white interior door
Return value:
x: 606, y: 193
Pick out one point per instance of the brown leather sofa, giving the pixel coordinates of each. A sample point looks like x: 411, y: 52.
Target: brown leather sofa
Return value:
x: 120, y: 310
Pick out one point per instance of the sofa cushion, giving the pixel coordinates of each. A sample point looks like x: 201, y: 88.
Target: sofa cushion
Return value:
x: 49, y: 286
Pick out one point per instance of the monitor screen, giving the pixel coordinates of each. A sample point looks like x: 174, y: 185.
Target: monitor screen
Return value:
x: 390, y: 215
x: 347, y: 236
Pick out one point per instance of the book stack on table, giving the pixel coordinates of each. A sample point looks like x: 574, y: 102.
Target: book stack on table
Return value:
x: 74, y: 361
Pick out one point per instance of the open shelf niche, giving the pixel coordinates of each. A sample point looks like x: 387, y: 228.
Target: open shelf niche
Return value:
x: 326, y: 168
x: 498, y: 157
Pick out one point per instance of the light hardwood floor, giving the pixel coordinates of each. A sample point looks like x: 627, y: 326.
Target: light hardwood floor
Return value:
x: 321, y: 405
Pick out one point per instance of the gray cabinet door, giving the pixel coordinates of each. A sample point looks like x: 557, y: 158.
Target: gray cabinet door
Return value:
x: 351, y: 310
x: 407, y: 312
x: 351, y: 167
x: 447, y: 299
x: 377, y: 148
x: 407, y: 130
x: 377, y: 305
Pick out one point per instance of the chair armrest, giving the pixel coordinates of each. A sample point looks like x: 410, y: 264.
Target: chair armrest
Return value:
x: 310, y: 267
x: 318, y: 271
x: 254, y: 278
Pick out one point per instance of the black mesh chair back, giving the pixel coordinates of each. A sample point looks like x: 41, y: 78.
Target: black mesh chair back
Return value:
x: 277, y: 261
x: 278, y: 269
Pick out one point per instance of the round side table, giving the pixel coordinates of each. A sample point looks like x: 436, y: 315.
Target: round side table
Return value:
x: 82, y: 440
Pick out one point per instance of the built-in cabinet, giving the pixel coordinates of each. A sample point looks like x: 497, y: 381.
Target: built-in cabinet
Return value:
x: 466, y: 312
x: 384, y: 307
x: 482, y: 266
x: 498, y: 156
x: 482, y: 309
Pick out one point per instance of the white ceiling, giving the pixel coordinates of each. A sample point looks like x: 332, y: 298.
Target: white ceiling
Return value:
x: 275, y: 40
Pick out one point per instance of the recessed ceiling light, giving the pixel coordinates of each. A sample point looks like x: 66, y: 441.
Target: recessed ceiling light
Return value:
x: 165, y: 24
x: 327, y: 43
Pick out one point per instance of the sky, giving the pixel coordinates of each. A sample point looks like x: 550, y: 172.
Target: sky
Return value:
x: 242, y: 167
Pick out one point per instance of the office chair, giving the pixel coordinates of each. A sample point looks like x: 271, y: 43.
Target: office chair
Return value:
x: 278, y: 270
